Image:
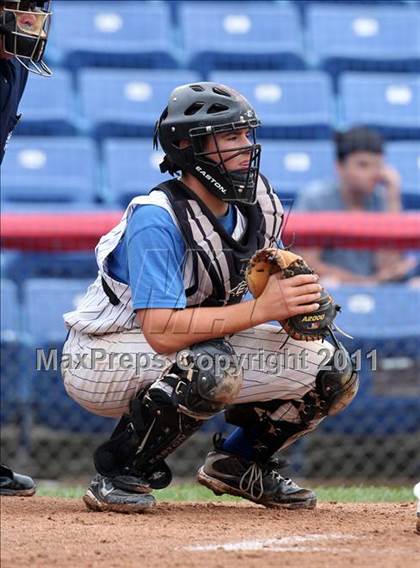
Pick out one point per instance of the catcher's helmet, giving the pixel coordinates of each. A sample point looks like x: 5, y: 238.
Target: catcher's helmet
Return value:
x: 198, y: 110
x: 24, y: 27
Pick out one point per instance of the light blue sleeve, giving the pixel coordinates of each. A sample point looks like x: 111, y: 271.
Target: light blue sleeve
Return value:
x: 155, y: 252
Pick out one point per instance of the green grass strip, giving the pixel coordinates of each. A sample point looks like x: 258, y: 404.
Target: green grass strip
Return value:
x: 195, y: 492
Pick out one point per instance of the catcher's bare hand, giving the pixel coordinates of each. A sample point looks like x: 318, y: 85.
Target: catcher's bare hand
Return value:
x: 284, y: 298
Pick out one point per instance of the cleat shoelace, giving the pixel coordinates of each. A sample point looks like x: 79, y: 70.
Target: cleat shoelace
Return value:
x: 252, y: 481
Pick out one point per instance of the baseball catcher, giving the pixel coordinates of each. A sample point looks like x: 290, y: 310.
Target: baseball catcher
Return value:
x: 170, y: 290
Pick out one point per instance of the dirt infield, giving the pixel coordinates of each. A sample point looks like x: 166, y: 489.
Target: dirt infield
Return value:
x: 44, y: 532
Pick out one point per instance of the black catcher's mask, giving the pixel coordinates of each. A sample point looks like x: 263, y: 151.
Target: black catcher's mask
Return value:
x: 196, y: 111
x: 24, y: 27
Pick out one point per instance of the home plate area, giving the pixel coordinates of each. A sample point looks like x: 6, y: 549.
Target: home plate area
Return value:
x: 293, y: 543
x: 46, y: 532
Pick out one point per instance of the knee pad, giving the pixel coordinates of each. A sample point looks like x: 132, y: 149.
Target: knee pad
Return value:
x: 337, y: 383
x: 207, y: 379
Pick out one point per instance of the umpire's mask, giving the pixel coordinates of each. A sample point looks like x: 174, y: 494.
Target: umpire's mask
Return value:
x: 24, y: 27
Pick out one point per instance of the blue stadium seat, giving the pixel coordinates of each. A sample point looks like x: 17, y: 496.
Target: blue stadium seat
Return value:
x: 389, y: 359
x: 45, y: 302
x: 20, y: 266
x: 132, y: 168
x: 390, y: 103
x: 369, y: 311
x: 292, y: 164
x: 364, y: 37
x: 127, y: 102
x: 10, y: 312
x: 118, y: 34
x: 47, y: 106
x: 49, y: 170
x: 289, y: 104
x: 405, y: 157
x: 13, y: 375
x: 241, y: 35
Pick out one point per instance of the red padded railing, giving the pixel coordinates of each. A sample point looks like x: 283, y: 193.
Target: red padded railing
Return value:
x: 81, y: 231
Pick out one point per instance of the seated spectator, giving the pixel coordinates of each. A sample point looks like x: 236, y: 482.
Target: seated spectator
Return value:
x: 363, y: 182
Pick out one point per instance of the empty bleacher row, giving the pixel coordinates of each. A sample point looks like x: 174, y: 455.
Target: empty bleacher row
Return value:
x: 118, y: 102
x: 27, y: 326
x: 243, y: 35
x: 308, y: 68
x: 72, y: 171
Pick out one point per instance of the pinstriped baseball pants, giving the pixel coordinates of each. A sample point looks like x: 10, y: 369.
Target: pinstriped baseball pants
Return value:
x: 103, y: 373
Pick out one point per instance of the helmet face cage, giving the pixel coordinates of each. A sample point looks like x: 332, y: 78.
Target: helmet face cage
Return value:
x: 242, y: 184
x: 196, y: 111
x: 27, y: 45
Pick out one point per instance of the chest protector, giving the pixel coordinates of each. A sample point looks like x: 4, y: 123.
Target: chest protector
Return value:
x: 214, y: 264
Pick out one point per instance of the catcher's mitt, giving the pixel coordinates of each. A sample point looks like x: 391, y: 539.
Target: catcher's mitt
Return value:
x: 309, y: 327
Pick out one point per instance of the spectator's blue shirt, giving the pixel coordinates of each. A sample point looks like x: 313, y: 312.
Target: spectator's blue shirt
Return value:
x: 13, y: 77
x: 326, y: 196
x: 150, y: 257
